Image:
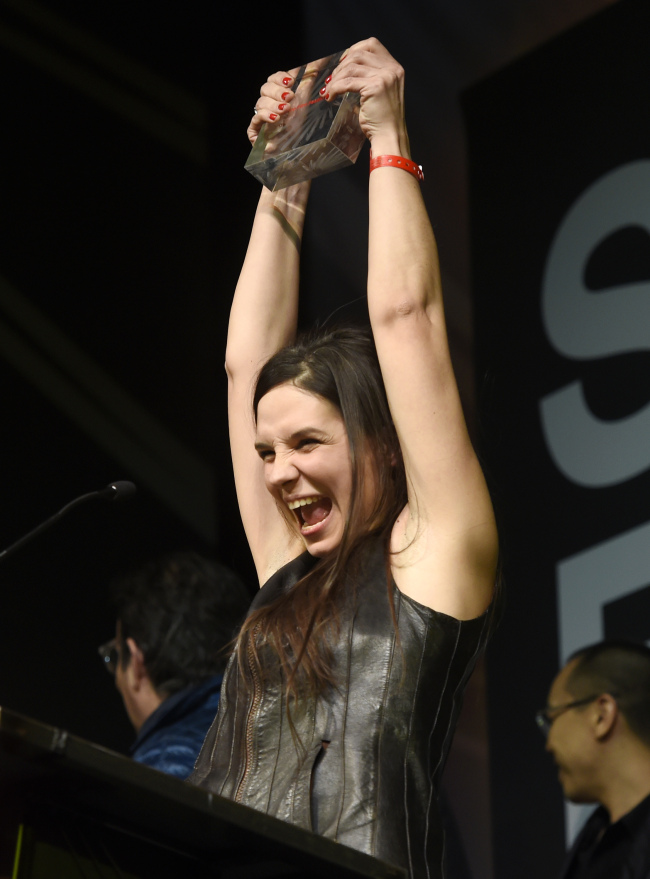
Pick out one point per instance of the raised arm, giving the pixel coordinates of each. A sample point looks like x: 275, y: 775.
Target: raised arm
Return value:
x: 445, y: 542
x: 263, y: 319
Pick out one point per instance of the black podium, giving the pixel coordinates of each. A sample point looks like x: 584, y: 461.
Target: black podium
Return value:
x: 71, y: 808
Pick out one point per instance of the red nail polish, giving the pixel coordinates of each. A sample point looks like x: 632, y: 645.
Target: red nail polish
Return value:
x: 273, y: 116
x: 329, y: 79
x: 286, y: 80
x: 285, y: 95
x: 322, y: 91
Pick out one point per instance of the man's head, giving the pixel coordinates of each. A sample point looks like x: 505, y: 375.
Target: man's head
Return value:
x: 598, y: 711
x: 175, y: 618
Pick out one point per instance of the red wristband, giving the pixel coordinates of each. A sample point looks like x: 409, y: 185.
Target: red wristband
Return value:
x: 397, y: 162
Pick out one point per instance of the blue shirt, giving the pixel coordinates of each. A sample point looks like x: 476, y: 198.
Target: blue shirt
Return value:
x: 170, y: 739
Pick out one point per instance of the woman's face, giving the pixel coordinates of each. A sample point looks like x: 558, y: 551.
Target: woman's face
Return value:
x: 302, y: 441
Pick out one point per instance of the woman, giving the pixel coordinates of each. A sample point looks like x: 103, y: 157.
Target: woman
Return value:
x: 374, y: 537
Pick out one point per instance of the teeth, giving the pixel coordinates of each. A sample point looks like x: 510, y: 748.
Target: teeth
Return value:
x: 302, y: 502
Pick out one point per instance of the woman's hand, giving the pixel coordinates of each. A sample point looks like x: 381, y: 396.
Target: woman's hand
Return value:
x: 275, y: 100
x: 368, y: 68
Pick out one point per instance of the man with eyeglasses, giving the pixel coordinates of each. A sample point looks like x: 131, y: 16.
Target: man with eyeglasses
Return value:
x: 597, y: 724
x: 176, y: 615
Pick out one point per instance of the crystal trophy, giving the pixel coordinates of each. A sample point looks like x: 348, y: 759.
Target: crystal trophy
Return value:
x: 314, y: 137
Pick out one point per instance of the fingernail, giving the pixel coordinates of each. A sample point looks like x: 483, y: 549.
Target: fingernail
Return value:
x: 286, y: 80
x: 285, y: 95
x: 329, y: 79
x: 323, y: 90
x: 343, y: 58
x: 273, y: 116
x: 281, y: 106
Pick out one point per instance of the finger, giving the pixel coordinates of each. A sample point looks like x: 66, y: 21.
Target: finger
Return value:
x: 348, y: 70
x: 275, y: 96
x: 371, y: 51
x: 367, y: 80
x: 283, y: 78
x: 276, y: 92
x: 353, y: 79
x: 264, y: 114
x: 275, y: 99
x: 260, y: 117
x: 270, y: 110
x: 362, y: 60
x: 254, y: 128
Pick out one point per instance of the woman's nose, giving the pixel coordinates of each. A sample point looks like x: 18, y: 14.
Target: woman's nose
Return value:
x: 282, y: 471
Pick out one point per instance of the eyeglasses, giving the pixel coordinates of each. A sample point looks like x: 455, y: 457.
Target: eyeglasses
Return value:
x: 546, y: 716
x: 109, y: 655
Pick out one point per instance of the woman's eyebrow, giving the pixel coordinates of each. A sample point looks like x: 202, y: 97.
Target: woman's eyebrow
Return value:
x: 296, y: 435
x: 308, y: 431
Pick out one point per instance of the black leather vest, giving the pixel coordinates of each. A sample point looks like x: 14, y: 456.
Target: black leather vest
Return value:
x: 388, y: 726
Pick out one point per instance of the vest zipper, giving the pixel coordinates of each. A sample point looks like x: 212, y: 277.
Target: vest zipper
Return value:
x: 252, y: 711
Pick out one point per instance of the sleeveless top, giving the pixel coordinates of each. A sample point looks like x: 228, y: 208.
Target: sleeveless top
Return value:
x: 387, y: 726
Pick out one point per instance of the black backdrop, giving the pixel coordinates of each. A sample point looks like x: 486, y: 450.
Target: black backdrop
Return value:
x: 124, y: 210
x: 559, y: 157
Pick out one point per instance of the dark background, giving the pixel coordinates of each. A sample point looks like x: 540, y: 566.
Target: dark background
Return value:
x: 124, y: 212
x: 540, y: 133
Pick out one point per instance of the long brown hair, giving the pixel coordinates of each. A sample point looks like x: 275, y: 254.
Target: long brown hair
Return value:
x: 341, y: 366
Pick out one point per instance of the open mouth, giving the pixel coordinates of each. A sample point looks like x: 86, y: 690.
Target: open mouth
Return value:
x: 311, y: 511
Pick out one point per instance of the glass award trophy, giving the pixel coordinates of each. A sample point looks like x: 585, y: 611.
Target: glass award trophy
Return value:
x: 314, y: 137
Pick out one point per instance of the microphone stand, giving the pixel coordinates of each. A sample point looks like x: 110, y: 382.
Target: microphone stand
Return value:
x: 113, y: 492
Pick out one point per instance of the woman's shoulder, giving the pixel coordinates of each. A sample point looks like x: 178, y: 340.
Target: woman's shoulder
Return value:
x: 284, y: 579
x: 379, y: 564
x: 444, y: 568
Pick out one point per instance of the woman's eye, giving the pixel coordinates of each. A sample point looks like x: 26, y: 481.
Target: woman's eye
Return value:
x: 265, y: 454
x: 307, y: 442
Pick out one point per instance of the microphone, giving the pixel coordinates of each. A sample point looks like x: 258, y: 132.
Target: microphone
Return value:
x: 114, y: 491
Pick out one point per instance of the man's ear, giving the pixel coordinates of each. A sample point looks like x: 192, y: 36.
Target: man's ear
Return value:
x: 606, y: 712
x: 137, y: 664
